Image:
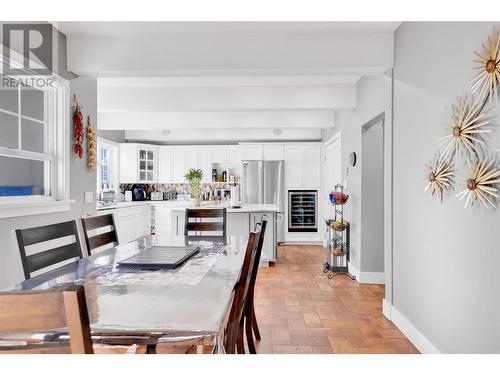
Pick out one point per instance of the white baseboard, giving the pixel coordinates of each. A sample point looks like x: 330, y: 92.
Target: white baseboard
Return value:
x: 367, y: 277
x: 409, y: 330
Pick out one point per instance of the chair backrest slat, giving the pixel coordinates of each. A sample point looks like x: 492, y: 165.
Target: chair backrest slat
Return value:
x: 44, y: 311
x: 53, y: 256
x: 96, y: 222
x: 38, y: 235
x: 194, y: 216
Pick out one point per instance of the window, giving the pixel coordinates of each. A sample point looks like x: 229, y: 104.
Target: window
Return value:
x: 107, y: 175
x: 34, y: 149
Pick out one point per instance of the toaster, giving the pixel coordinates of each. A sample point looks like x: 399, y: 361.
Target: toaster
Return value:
x: 156, y: 196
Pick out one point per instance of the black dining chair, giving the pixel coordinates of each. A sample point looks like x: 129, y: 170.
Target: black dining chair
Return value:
x: 54, y: 254
x: 251, y: 326
x: 234, y: 330
x: 95, y: 223
x: 205, y: 222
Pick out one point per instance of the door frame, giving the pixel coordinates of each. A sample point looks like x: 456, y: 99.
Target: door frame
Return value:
x: 337, y: 137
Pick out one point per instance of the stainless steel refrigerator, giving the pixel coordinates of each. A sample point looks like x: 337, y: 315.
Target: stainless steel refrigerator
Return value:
x: 263, y: 183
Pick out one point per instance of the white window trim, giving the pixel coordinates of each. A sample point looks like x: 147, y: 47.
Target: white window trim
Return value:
x: 58, y: 146
x: 113, y: 162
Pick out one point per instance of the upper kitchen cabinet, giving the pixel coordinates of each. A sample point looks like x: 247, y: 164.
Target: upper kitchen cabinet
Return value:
x: 147, y: 156
x: 178, y: 164
x: 205, y: 159
x: 252, y: 151
x: 226, y: 154
x: 274, y: 152
x: 302, y: 166
x: 165, y: 171
x: 138, y: 163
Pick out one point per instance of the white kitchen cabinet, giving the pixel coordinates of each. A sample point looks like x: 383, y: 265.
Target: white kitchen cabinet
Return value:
x: 293, y: 166
x: 178, y: 164
x: 138, y: 163
x: 238, y: 224
x: 178, y: 220
x: 131, y: 222
x: 311, y: 167
x: 302, y: 166
x: 205, y: 159
x: 226, y: 154
x: 219, y: 154
x: 252, y: 151
x: 233, y: 154
x: 191, y: 157
x: 165, y: 171
x: 147, y: 163
x: 128, y: 163
x: 269, y: 245
x: 163, y: 219
x: 274, y: 152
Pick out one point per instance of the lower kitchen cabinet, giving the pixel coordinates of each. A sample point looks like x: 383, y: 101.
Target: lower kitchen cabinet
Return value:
x: 131, y: 222
x: 178, y: 222
x: 269, y: 246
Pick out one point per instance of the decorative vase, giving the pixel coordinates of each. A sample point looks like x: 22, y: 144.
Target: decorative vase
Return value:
x: 196, y: 192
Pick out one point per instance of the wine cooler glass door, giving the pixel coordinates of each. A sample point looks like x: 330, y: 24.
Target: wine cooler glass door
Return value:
x: 302, y: 211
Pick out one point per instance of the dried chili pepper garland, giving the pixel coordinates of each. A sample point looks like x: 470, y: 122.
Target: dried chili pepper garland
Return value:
x: 77, y: 128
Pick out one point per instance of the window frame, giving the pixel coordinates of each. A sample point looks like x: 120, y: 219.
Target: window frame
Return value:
x: 113, y: 177
x: 56, y: 118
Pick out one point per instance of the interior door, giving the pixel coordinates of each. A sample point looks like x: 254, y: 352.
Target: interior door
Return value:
x: 332, y: 173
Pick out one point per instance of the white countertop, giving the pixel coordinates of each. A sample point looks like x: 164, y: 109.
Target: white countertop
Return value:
x: 181, y: 205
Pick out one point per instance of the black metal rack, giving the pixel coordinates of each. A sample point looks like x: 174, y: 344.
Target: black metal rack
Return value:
x: 338, y: 243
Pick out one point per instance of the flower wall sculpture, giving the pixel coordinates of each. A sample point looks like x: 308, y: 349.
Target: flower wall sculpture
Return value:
x: 440, y: 178
x: 486, y: 82
x: 479, y: 183
x: 467, y: 123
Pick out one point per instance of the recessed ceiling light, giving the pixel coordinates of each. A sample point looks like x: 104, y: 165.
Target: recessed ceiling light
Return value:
x: 165, y: 132
x: 276, y: 131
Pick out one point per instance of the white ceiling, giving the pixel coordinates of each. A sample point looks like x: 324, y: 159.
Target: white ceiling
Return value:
x: 226, y: 80
x: 141, y: 29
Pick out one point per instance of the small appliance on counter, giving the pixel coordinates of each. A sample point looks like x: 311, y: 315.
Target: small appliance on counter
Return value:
x: 128, y: 196
x: 138, y: 193
x: 156, y: 196
x: 107, y: 196
x: 235, y: 196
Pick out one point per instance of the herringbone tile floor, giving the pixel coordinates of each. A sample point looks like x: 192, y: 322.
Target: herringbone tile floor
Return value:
x: 299, y: 310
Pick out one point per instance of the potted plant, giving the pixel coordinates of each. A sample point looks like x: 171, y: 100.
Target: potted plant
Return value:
x: 194, y: 177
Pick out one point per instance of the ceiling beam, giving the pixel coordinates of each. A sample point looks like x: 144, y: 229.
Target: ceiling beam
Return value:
x: 207, y: 54
x: 332, y: 97
x: 130, y: 120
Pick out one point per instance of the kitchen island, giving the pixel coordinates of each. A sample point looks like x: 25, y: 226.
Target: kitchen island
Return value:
x: 135, y: 219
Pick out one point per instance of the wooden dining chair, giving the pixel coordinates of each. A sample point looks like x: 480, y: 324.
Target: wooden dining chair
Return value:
x: 205, y: 221
x: 233, y: 336
x: 45, y: 311
x: 95, y: 223
x: 251, y: 326
x: 53, y: 255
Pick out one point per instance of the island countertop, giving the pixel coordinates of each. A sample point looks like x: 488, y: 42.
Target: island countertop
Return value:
x: 182, y: 205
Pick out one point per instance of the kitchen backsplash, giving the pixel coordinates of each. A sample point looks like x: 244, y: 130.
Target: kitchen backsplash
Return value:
x: 178, y: 188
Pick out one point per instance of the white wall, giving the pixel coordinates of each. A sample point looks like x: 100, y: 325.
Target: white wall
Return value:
x: 372, y: 197
x: 446, y: 259
x: 373, y: 98
x: 81, y: 180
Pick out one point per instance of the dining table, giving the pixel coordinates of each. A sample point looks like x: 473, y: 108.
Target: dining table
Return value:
x: 136, y: 306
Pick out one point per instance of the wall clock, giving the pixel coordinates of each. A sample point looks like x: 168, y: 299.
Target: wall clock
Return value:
x: 352, y: 158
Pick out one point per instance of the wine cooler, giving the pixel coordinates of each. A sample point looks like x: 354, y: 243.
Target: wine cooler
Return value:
x: 302, y: 211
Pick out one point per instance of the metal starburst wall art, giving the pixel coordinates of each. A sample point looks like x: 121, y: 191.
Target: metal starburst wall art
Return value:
x: 479, y: 185
x: 467, y: 123
x: 440, y: 178
x: 488, y: 63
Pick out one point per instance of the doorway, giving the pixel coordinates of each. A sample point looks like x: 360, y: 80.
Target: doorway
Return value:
x: 372, y: 200
x: 332, y: 172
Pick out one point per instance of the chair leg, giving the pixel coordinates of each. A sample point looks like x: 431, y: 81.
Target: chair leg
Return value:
x: 255, y: 326
x: 240, y: 345
x: 249, y: 334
